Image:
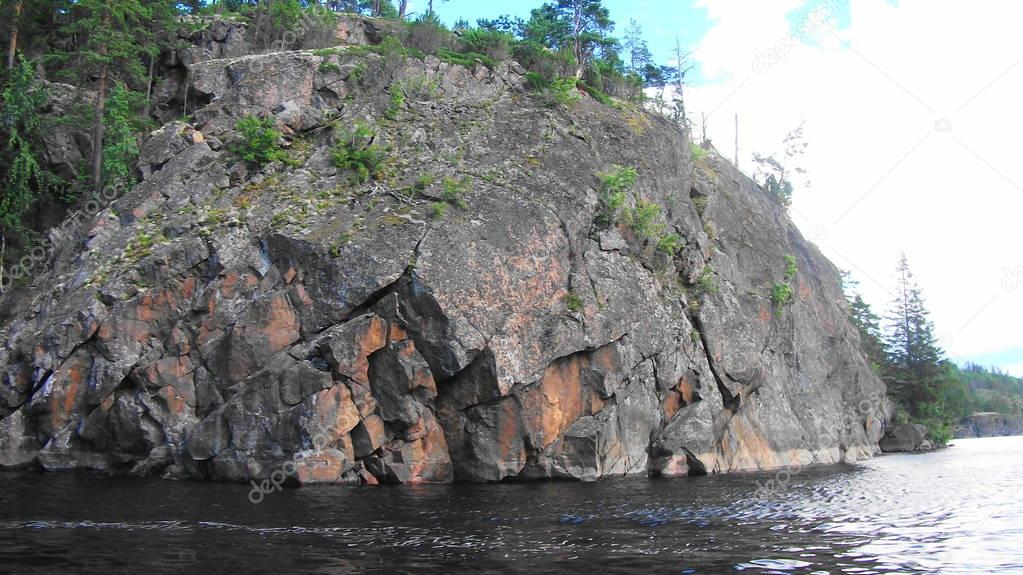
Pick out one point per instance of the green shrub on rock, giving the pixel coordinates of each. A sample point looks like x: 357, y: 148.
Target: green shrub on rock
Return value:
x: 563, y: 91
x: 355, y: 152
x: 614, y: 185
x: 790, y: 267
x: 781, y: 295
x: 259, y: 141
x: 671, y: 244
x: 642, y: 219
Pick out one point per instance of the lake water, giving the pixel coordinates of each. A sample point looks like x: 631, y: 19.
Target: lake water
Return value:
x: 958, y: 510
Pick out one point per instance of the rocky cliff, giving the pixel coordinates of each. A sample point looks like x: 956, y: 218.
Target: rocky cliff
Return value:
x: 224, y: 320
x: 989, y: 424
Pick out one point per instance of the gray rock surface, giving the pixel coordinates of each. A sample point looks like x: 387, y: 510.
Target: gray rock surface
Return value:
x: 905, y: 437
x: 224, y: 320
x: 989, y: 424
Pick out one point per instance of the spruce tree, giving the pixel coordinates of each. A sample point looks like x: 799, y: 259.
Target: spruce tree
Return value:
x: 916, y: 373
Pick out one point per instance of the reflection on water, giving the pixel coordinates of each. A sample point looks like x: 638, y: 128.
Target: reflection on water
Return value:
x: 953, y: 511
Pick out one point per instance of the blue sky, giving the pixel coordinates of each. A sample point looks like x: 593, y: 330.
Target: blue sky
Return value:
x: 661, y: 20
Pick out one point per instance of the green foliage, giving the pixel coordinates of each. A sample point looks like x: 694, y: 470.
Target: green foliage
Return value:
x: 465, y: 59
x: 780, y: 190
x: 355, y: 152
x: 358, y: 72
x: 329, y: 67
x: 424, y: 181
x: 701, y: 204
x: 698, y: 152
x: 547, y: 64
x: 25, y: 181
x: 791, y: 267
x: 494, y: 44
x: 453, y: 191
x: 428, y: 35
x: 775, y: 175
x: 280, y: 24
x: 671, y: 244
x: 123, y: 121
x: 596, y: 94
x: 438, y: 209
x: 781, y: 295
x: 419, y: 87
x: 925, y: 387
x: 573, y: 302
x: 991, y: 390
x: 536, y: 82
x: 563, y: 91
x: 614, y: 186
x: 707, y: 282
x: 259, y: 141
x: 111, y: 35
x: 397, y: 103
x: 642, y: 219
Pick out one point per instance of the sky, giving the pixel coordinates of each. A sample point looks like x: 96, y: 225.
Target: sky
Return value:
x: 912, y: 109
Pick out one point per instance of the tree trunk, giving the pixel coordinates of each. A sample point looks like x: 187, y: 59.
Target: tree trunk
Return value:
x: 681, y: 71
x: 12, y: 46
x: 402, y: 8
x: 577, y: 18
x: 97, y: 128
x: 101, y: 104
x: 149, y: 84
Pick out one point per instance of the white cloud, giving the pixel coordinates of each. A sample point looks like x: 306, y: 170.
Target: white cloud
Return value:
x: 883, y: 178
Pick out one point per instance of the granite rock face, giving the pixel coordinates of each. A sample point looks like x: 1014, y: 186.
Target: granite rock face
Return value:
x: 224, y: 320
x: 989, y: 424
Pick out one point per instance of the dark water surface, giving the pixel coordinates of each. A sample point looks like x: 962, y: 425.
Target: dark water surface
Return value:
x: 954, y: 511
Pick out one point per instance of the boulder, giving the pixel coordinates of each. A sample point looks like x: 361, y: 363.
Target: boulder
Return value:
x: 905, y: 437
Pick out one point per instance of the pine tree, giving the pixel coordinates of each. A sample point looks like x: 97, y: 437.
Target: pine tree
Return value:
x: 589, y: 23
x: 776, y: 175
